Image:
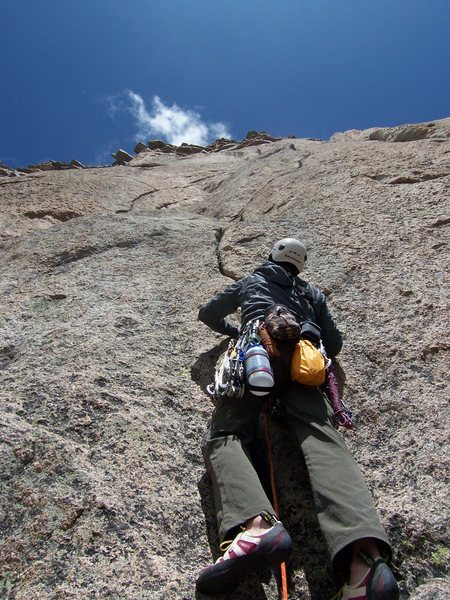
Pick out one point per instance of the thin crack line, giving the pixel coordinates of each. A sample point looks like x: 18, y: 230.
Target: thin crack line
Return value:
x: 131, y: 207
x: 271, y: 180
x: 219, y: 233
x: 21, y: 180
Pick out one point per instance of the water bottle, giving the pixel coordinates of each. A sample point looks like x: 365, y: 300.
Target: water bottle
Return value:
x: 258, y: 372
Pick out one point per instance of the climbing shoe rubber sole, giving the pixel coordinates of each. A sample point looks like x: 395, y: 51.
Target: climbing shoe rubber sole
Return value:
x: 222, y: 577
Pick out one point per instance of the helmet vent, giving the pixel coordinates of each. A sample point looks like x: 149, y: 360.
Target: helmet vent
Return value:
x: 290, y: 250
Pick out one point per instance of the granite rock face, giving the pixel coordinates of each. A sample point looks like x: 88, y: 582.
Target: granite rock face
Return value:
x: 104, y: 366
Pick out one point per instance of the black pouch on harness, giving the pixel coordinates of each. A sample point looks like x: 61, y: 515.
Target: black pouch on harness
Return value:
x: 312, y: 332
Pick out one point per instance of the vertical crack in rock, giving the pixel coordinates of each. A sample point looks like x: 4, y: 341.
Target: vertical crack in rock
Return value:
x: 219, y: 233
x: 301, y: 160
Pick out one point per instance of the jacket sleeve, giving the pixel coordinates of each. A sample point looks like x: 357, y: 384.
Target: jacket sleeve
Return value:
x: 213, y: 313
x: 331, y: 336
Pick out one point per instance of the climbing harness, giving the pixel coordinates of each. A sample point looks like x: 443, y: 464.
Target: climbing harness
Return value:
x: 246, y: 365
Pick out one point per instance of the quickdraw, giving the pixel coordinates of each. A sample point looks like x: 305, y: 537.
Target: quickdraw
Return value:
x: 229, y: 381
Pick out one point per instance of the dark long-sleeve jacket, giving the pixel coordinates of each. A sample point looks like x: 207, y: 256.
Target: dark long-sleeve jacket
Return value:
x: 267, y: 285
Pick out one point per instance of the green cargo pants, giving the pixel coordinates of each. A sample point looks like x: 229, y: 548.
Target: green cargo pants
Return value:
x: 344, y: 506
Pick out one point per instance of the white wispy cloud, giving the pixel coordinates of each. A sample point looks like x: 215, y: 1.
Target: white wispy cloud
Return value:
x: 171, y: 123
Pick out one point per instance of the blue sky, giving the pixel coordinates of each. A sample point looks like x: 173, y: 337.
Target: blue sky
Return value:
x: 81, y: 79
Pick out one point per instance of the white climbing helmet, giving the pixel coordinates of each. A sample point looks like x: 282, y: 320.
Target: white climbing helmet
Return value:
x: 291, y: 251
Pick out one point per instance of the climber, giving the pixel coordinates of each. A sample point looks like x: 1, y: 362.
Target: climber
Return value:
x: 250, y: 532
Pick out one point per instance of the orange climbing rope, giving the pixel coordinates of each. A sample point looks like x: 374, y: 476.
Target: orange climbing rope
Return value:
x: 284, y: 587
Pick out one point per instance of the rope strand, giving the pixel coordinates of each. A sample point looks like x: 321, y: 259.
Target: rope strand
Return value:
x: 284, y: 587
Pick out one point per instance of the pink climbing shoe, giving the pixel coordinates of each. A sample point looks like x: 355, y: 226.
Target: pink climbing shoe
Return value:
x: 377, y: 584
x: 245, y: 554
